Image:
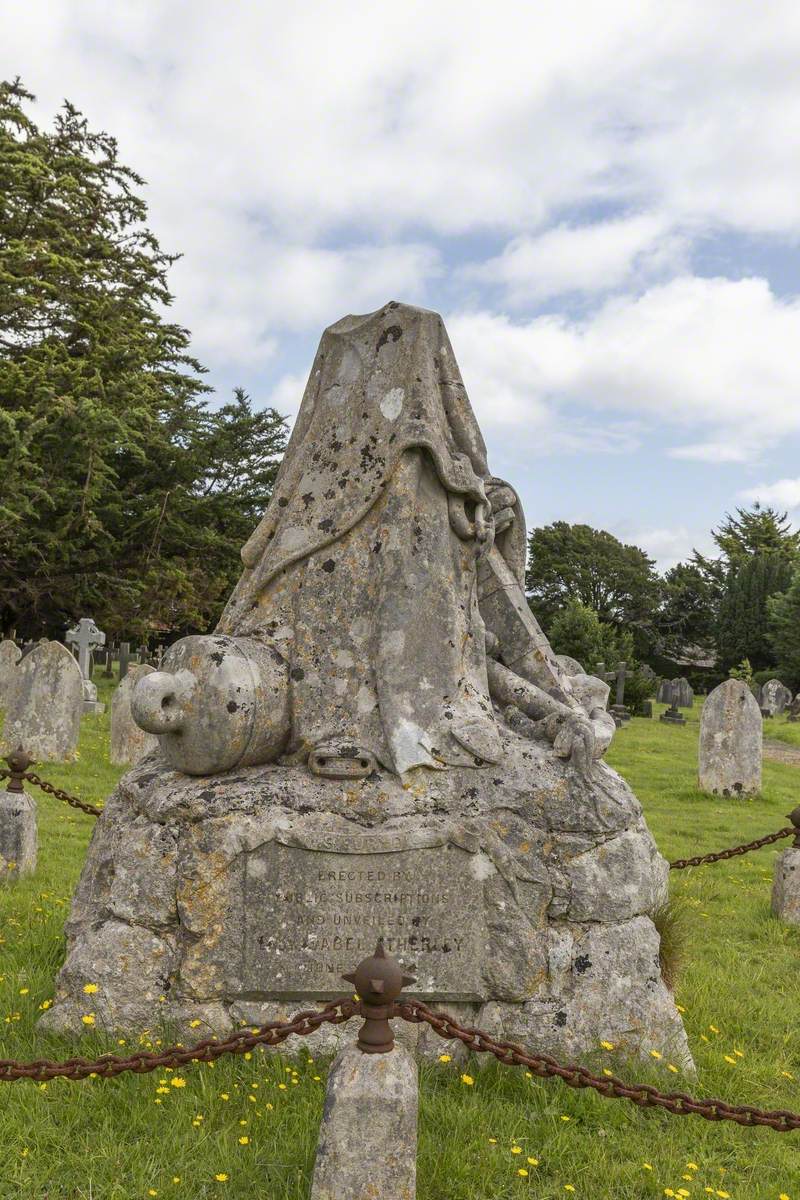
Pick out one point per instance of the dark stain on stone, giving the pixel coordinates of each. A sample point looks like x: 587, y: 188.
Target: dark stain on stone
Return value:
x: 282, y: 502
x: 329, y: 565
x: 232, y: 706
x: 560, y: 1019
x: 218, y: 657
x: 297, y: 673
x: 394, y: 332
x: 582, y: 963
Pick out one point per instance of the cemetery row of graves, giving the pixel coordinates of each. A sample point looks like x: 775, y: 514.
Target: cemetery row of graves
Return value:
x: 248, y: 1125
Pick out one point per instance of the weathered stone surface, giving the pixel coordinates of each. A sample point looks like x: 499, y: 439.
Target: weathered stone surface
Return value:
x: 774, y: 697
x: 368, y: 1138
x: 731, y: 737
x: 786, y: 887
x: 129, y: 742
x: 10, y: 655
x: 378, y: 739
x: 683, y: 693
x: 224, y: 875
x: 44, y: 714
x: 18, y: 838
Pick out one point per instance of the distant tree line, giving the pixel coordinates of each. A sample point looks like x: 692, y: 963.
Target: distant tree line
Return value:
x: 598, y: 598
x: 124, y: 494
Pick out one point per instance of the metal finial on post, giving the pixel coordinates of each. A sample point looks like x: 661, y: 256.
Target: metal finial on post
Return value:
x: 18, y: 764
x: 794, y: 817
x: 378, y: 981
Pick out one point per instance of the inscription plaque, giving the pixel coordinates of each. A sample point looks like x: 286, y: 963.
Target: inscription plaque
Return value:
x: 311, y: 915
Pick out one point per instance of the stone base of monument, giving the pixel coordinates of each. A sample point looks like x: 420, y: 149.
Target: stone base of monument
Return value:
x: 368, y: 1138
x: 786, y: 887
x: 673, y: 717
x: 90, y: 702
x: 519, y: 896
x: 18, y: 836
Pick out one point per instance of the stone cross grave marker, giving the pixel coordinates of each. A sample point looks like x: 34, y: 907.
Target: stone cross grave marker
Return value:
x: 85, y: 636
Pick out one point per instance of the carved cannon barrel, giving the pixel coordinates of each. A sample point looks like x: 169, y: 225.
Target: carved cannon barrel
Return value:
x: 219, y: 702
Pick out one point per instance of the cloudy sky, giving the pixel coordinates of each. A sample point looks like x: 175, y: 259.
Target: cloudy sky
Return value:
x: 603, y: 200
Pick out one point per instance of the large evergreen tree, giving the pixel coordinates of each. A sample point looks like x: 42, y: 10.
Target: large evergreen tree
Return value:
x: 784, y: 631
x: 122, y: 494
x: 743, y: 616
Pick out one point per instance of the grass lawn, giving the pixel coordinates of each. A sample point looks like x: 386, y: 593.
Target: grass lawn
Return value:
x: 247, y: 1129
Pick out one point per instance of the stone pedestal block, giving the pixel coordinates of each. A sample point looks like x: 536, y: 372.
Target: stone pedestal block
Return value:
x: 786, y: 888
x: 368, y: 1138
x: 18, y: 841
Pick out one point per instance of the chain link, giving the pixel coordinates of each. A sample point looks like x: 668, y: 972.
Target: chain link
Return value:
x: 643, y: 1094
x: 51, y: 790
x: 734, y: 851
x: 107, y: 1066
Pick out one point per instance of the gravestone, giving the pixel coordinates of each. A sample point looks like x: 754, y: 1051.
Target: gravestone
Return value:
x: 774, y: 697
x: 682, y: 692
x: 84, y: 637
x: 731, y: 735
x: 664, y: 693
x: 44, y: 715
x: 793, y: 710
x: 376, y: 740
x: 9, y: 657
x: 124, y: 659
x: 129, y: 742
x: 786, y: 886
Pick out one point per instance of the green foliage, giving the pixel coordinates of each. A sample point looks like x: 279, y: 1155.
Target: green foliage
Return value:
x: 122, y: 494
x: 690, y: 603
x: 673, y: 925
x: 743, y: 671
x: 743, y: 631
x: 784, y: 631
x: 576, y: 562
x: 579, y: 632
x: 757, y: 531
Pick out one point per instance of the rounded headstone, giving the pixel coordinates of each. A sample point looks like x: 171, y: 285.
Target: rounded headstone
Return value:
x: 570, y: 666
x: 44, y: 713
x: 10, y: 655
x: 774, y: 697
x: 731, y: 738
x: 129, y: 743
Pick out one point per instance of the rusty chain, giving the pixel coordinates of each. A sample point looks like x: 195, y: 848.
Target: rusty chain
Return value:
x: 609, y: 1086
x: 107, y: 1066
x: 644, y: 1095
x: 52, y: 790
x: 734, y: 851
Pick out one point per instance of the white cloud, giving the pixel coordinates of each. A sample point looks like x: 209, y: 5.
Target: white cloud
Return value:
x: 708, y: 355
x: 783, y: 493
x: 588, y: 258
x: 272, y: 133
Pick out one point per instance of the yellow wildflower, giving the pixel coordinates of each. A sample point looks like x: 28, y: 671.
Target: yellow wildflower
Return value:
x: 88, y: 1018
x: 445, y: 1058
x: 89, y: 989
x: 468, y: 1080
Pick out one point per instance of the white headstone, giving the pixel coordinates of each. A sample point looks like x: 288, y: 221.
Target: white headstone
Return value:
x: 774, y: 697
x: 129, y: 743
x: 730, y: 741
x: 10, y: 654
x: 44, y: 714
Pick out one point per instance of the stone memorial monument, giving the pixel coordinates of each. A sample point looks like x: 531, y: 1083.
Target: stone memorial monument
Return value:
x: 731, y: 736
x: 10, y: 655
x: 85, y: 636
x: 44, y: 714
x: 377, y: 739
x: 129, y: 742
x: 774, y: 697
